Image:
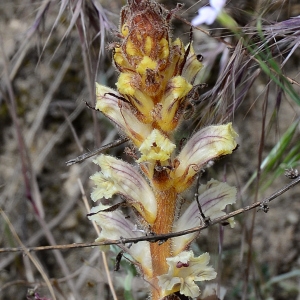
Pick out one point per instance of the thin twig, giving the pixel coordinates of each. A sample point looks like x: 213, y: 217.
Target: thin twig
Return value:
x: 95, y: 152
x: 220, y: 39
x: 166, y: 236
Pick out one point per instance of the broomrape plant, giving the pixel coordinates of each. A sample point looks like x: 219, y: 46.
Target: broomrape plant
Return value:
x: 156, y: 81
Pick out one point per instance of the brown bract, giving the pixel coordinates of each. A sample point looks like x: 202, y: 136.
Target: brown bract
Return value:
x: 141, y: 19
x: 146, y: 48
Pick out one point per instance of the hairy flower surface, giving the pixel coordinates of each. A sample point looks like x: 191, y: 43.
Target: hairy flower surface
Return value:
x: 184, y: 270
x: 119, y: 177
x: 192, y: 66
x: 121, y: 113
x: 207, y: 144
x: 114, y: 226
x: 156, y: 73
x: 213, y: 198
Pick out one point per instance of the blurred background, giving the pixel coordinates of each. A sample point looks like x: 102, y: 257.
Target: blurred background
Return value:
x: 52, y: 52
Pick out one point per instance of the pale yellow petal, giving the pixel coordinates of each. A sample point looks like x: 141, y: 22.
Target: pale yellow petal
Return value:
x: 121, y: 114
x: 207, y: 144
x: 120, y: 177
x: 156, y: 147
x: 184, y: 270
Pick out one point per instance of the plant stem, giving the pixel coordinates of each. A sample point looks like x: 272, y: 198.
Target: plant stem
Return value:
x: 166, y: 201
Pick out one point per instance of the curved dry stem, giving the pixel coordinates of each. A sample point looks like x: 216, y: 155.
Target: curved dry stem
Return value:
x: 262, y: 205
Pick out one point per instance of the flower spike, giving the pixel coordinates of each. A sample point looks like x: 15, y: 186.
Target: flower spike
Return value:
x: 157, y: 77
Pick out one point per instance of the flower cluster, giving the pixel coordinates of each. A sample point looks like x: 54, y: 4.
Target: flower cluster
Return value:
x: 155, y: 84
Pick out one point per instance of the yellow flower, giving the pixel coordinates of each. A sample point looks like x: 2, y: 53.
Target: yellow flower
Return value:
x: 156, y: 72
x: 184, y: 270
x: 171, y: 111
x: 207, y: 144
x: 119, y: 177
x: 105, y: 187
x: 156, y: 147
x: 129, y: 86
x: 192, y: 66
x: 114, y: 225
x: 213, y: 198
x: 122, y: 114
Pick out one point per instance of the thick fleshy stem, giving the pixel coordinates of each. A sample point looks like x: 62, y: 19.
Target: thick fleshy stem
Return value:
x: 166, y: 202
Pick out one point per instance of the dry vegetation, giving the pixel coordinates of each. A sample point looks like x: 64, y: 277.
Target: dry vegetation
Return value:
x: 52, y: 52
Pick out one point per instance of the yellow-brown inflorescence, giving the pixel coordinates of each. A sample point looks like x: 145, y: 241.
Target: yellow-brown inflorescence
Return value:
x: 152, y: 75
x: 157, y: 76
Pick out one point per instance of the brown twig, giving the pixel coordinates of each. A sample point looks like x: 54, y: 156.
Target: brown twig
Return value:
x: 220, y: 39
x: 95, y: 152
x: 163, y: 237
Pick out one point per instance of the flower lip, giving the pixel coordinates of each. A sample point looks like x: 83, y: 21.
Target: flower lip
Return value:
x: 184, y: 269
x: 156, y: 147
